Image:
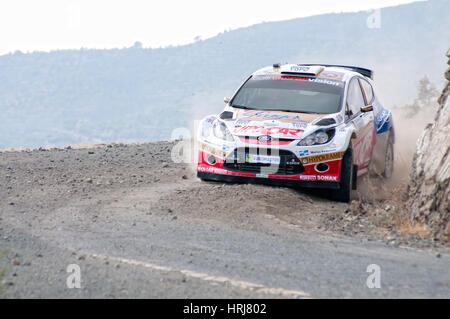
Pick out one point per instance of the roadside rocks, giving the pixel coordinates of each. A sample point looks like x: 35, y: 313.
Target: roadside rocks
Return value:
x: 429, y: 187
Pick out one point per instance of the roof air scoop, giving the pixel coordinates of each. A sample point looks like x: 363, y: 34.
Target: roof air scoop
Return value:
x: 226, y: 115
x: 301, y: 70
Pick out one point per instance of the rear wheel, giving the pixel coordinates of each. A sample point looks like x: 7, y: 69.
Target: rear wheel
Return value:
x: 389, y: 158
x: 344, y: 192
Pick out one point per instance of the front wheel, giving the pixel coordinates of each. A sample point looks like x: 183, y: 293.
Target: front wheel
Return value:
x: 343, y: 194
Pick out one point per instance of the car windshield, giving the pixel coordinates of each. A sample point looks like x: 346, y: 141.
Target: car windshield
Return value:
x: 291, y: 94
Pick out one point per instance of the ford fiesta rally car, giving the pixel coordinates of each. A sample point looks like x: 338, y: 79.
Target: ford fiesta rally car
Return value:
x: 302, y: 125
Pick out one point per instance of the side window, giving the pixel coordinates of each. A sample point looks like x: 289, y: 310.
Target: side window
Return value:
x: 355, y: 98
x: 368, y: 91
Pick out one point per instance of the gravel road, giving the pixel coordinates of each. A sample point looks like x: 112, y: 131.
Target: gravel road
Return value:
x: 141, y: 226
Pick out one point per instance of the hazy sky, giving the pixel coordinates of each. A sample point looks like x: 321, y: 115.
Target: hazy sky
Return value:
x: 29, y: 25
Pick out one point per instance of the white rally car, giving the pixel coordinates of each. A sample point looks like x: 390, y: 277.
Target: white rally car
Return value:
x: 299, y: 125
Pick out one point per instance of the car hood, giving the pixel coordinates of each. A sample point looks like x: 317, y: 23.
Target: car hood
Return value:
x: 277, y: 124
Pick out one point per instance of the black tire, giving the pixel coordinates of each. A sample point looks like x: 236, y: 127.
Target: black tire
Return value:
x: 343, y: 194
x: 389, y: 158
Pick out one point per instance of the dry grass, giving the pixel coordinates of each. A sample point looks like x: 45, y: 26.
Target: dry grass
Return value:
x: 418, y: 230
x: 387, y: 207
x: 385, y: 204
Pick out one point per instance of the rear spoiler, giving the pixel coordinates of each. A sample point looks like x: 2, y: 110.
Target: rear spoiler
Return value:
x: 366, y: 72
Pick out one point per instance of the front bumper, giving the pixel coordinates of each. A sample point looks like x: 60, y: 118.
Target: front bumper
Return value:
x: 304, y: 175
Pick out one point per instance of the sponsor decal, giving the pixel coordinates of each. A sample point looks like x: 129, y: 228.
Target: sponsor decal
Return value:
x: 329, y: 78
x: 269, y: 116
x: 287, y: 117
x: 332, y: 75
x: 212, y: 170
x: 225, y: 148
x: 308, y: 177
x: 240, y: 123
x: 300, y: 125
x: 271, y: 123
x: 263, y: 159
x: 382, y: 121
x: 263, y: 77
x: 303, y: 153
x: 362, y: 149
x: 322, y: 157
x: 339, y: 118
x: 329, y: 150
x: 292, y: 162
x: 295, y: 78
x: 312, y: 152
x: 267, y: 71
x: 267, y: 130
x: 212, y: 150
x: 325, y: 150
x: 296, y: 68
x: 329, y: 74
x: 327, y: 178
x: 326, y: 81
x: 323, y: 178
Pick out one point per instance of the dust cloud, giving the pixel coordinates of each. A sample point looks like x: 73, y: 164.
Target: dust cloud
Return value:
x: 409, y: 123
x: 408, y: 129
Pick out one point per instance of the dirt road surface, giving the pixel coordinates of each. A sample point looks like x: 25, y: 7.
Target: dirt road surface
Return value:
x: 140, y: 226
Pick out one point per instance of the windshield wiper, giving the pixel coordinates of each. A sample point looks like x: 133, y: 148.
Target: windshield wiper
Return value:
x: 293, y: 111
x: 243, y: 107
x: 279, y: 110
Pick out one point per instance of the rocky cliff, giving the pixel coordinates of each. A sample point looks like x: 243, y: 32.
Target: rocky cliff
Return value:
x: 429, y: 189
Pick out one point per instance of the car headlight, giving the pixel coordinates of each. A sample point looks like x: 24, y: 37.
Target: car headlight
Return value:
x: 206, y: 127
x: 317, y: 138
x: 221, y: 131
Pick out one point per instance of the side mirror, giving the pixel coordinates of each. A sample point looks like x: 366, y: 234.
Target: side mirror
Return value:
x: 226, y: 100
x: 367, y: 108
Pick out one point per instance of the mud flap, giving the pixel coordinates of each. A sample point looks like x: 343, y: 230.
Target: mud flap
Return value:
x: 355, y: 177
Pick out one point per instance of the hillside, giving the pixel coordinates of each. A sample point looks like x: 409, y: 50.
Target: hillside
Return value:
x: 137, y: 94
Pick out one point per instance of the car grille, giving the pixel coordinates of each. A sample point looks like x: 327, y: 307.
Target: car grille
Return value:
x: 289, y: 163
